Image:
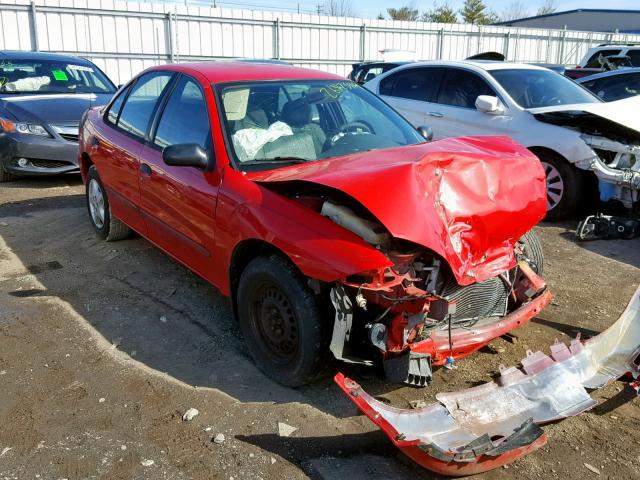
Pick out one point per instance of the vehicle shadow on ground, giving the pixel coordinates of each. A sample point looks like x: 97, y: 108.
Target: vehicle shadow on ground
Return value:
x: 625, y: 251
x: 150, y: 307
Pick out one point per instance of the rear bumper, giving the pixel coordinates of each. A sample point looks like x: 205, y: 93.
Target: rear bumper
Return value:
x: 46, y: 156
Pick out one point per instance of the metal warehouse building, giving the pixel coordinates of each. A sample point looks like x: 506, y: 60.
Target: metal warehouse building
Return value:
x: 585, y: 19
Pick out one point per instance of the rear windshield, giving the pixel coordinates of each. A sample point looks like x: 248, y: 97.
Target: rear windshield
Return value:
x: 51, y: 76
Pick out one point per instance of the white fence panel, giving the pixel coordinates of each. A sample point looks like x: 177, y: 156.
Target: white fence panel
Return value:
x: 123, y: 38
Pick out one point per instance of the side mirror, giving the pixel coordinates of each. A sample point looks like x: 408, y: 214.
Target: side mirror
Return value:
x: 426, y: 132
x: 489, y: 105
x: 186, y: 155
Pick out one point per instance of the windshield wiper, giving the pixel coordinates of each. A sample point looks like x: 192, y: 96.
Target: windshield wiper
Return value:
x: 260, y: 161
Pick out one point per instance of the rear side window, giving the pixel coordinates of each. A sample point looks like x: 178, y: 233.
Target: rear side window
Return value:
x: 414, y: 84
x: 634, y: 55
x: 185, y: 118
x: 594, y: 61
x: 142, y: 101
x: 461, y: 88
x: 616, y: 87
x: 116, y: 106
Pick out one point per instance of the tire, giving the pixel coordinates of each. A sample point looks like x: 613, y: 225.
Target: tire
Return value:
x: 106, y: 225
x: 4, y: 175
x: 532, y: 251
x: 281, y: 321
x: 564, y: 186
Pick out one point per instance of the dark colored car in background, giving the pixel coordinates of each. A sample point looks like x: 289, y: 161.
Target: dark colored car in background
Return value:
x: 613, y: 85
x: 363, y: 72
x: 42, y: 98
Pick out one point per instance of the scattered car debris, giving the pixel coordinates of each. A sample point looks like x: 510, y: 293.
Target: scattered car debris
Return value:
x: 285, y: 430
x: 416, y: 404
x: 219, y: 439
x: 5, y: 450
x: 147, y: 462
x: 606, y: 226
x: 190, y: 414
x: 592, y: 468
x: 487, y: 426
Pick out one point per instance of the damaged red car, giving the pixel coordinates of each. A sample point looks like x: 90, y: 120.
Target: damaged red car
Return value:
x: 332, y: 224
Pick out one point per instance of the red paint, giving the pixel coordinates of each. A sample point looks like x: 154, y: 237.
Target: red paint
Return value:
x: 481, y: 463
x: 467, y: 199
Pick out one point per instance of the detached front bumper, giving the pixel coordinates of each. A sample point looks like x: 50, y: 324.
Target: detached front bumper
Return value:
x: 484, y: 427
x: 44, y: 155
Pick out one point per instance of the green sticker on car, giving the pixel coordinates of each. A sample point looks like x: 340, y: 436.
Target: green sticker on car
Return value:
x: 60, y: 75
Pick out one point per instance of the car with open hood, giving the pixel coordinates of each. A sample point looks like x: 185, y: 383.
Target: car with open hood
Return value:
x: 42, y: 98
x: 581, y: 141
x: 330, y: 222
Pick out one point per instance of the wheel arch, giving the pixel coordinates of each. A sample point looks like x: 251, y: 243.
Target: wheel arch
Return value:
x: 85, y: 165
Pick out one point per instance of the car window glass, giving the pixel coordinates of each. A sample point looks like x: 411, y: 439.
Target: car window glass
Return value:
x: 461, y: 88
x: 370, y: 74
x: 412, y: 83
x: 617, y: 87
x: 185, y: 118
x: 594, y: 61
x: 139, y: 107
x: 634, y: 55
x: 116, y: 106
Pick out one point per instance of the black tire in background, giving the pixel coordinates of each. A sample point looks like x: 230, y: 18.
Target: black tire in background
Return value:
x: 564, y: 185
x: 4, y: 175
x: 106, y: 226
x: 281, y: 321
x: 532, y: 250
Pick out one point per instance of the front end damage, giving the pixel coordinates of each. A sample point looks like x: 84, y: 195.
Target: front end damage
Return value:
x: 482, y: 428
x: 452, y: 221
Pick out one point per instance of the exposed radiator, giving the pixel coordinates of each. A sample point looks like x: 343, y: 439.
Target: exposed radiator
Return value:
x: 486, y: 299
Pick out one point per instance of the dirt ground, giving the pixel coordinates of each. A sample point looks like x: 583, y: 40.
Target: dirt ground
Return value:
x: 103, y: 347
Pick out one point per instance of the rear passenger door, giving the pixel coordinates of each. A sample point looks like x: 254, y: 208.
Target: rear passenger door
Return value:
x: 178, y: 203
x: 412, y: 91
x: 455, y: 113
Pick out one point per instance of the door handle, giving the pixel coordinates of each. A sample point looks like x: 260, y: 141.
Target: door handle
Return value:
x: 145, y: 170
x: 435, y: 114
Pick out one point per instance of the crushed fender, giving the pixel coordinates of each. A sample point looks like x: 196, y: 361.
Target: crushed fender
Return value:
x: 485, y: 427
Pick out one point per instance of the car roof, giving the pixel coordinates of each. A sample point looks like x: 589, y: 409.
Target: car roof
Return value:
x: 480, y: 64
x: 611, y: 73
x: 235, y: 71
x: 9, y: 54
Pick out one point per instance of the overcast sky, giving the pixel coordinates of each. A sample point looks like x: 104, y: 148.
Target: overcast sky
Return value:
x: 371, y: 8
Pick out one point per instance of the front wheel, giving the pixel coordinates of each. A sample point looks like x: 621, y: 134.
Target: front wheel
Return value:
x: 106, y: 225
x: 564, y: 186
x: 281, y: 321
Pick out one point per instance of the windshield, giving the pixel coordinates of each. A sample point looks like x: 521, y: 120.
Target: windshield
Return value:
x: 541, y: 88
x: 283, y: 122
x: 51, y: 76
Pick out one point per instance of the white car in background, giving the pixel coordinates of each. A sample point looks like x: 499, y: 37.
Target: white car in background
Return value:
x: 571, y: 130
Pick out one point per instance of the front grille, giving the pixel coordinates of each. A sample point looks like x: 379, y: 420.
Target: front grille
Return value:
x: 486, y: 299
x: 49, y: 163
x: 69, y: 137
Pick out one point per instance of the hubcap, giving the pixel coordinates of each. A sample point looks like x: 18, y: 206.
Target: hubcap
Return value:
x: 555, y: 185
x: 275, y: 323
x: 96, y: 203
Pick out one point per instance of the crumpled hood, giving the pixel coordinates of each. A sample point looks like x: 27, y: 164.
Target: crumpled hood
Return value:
x: 618, y: 115
x: 51, y: 108
x: 468, y: 199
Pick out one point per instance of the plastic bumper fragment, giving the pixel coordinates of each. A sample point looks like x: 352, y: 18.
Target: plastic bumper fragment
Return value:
x: 485, y: 427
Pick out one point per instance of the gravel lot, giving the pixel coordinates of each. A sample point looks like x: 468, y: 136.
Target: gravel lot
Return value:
x: 103, y: 347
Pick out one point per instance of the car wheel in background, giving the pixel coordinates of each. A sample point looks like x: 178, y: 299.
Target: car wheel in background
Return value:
x: 281, y: 321
x: 106, y: 226
x: 4, y: 175
x: 564, y: 186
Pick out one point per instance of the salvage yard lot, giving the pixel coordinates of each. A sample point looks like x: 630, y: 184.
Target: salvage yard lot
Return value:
x: 103, y: 346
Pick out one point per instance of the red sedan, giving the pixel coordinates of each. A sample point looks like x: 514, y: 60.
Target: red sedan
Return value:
x: 330, y: 222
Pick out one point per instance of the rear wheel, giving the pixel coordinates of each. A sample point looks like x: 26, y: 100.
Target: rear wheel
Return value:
x: 281, y: 321
x: 564, y: 186
x: 106, y: 226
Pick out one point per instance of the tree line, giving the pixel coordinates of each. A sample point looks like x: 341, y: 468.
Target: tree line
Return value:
x: 473, y: 11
